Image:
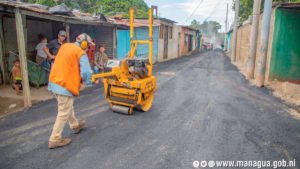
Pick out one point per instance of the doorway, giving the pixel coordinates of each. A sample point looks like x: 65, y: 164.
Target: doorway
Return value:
x: 166, y: 37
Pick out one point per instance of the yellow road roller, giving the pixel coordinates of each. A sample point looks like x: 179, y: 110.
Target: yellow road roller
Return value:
x: 129, y: 83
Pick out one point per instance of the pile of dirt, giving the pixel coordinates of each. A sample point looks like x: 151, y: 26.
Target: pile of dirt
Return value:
x: 287, y: 91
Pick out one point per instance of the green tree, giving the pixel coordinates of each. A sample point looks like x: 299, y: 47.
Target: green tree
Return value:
x: 207, y: 27
x: 121, y: 7
x: 43, y: 2
x: 195, y: 24
x: 246, y: 7
x: 107, y: 7
x: 210, y: 29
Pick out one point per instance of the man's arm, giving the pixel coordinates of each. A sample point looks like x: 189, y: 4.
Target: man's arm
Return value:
x: 85, y: 70
x: 46, y: 50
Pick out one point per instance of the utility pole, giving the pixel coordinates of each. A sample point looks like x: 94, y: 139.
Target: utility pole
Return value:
x: 226, y: 20
x: 236, y: 21
x: 253, y: 39
x: 261, y: 67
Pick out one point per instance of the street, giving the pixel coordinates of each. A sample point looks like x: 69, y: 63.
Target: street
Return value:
x: 204, y: 109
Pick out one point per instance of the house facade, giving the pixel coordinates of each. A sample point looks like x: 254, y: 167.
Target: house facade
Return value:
x: 169, y: 40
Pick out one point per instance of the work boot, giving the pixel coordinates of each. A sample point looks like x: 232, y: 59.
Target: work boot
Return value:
x: 60, y: 143
x: 81, y: 125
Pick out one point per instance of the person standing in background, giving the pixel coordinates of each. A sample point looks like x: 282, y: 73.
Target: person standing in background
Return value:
x: 91, y: 53
x: 41, y: 55
x: 53, y: 46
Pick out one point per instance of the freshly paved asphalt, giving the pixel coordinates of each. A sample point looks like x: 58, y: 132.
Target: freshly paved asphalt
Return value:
x: 203, y: 110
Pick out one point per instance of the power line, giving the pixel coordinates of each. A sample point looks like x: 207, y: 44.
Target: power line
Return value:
x: 212, y: 12
x: 194, y: 10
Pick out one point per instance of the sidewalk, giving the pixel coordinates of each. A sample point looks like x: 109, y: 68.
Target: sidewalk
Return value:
x: 11, y: 102
x: 289, y: 92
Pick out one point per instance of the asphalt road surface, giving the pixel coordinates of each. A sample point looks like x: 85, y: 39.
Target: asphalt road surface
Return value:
x: 204, y: 109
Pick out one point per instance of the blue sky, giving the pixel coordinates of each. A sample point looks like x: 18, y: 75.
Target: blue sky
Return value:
x: 181, y: 10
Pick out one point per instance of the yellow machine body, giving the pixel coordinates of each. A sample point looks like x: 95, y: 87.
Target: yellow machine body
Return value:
x: 126, y: 88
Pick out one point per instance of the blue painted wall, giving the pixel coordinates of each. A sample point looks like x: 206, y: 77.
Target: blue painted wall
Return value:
x: 123, y: 42
x: 198, y: 41
x: 228, y: 41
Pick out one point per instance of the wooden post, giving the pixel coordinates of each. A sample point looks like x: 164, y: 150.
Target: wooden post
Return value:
x: 68, y: 31
x: 114, y: 41
x: 25, y: 31
x: 2, y: 52
x: 22, y: 57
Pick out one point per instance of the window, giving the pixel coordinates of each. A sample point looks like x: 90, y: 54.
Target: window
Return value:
x: 161, y: 32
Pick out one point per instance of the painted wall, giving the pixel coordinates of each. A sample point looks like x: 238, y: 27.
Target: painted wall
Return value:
x: 285, y: 61
x: 174, y: 43
x: 123, y: 43
x: 186, y: 35
x: 161, y: 40
x: 228, y: 39
x: 140, y: 33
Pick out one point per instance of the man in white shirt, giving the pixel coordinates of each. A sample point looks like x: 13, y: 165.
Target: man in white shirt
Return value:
x: 41, y: 54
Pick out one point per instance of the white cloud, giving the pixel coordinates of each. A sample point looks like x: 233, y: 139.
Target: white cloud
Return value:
x: 181, y: 11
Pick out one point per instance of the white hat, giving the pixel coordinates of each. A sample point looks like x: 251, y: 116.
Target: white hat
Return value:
x: 83, y: 37
x: 62, y: 33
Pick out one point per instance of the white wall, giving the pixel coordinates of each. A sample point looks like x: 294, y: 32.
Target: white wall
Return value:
x: 173, y: 45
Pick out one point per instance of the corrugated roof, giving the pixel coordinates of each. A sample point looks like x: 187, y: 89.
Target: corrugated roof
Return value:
x: 290, y: 5
x: 137, y: 22
x: 188, y: 27
x: 44, y: 10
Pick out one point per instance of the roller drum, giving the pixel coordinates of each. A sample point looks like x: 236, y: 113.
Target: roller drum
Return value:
x: 121, y: 109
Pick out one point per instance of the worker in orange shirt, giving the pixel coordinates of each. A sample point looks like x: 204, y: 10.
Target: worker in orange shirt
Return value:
x: 71, y: 66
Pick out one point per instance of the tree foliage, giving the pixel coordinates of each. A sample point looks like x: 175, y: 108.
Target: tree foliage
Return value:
x: 107, y: 7
x: 121, y: 7
x: 195, y: 24
x: 209, y: 29
x: 246, y: 7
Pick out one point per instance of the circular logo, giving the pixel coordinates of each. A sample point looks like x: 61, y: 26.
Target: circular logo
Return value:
x: 203, y: 163
x: 196, y: 164
x: 211, y: 163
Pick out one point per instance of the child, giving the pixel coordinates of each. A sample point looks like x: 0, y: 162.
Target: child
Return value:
x: 17, y: 78
x: 41, y: 55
